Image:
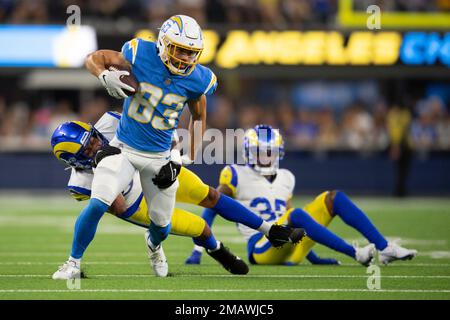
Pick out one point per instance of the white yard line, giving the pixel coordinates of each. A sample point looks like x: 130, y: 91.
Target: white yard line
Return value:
x: 234, y: 276
x: 432, y: 254
x: 222, y: 290
x: 398, y: 264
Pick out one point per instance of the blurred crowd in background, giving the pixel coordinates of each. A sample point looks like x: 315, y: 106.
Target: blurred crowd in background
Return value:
x: 367, y: 121
x: 232, y: 13
x: 424, y: 125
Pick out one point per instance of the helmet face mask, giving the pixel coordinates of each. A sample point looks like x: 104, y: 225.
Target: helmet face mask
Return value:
x: 263, y: 149
x: 71, y: 141
x: 180, y: 44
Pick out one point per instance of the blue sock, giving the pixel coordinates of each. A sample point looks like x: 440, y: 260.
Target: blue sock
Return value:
x: 354, y: 217
x: 86, y: 226
x: 319, y: 233
x: 208, y: 215
x: 232, y: 210
x: 158, y: 234
x: 210, y: 243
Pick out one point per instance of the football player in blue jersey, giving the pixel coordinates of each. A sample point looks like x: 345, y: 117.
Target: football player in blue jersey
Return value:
x: 169, y: 77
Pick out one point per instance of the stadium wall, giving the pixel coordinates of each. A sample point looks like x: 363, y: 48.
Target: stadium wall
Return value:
x: 355, y: 173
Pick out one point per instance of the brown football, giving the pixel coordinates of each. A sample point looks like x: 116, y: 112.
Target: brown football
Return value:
x: 129, y: 80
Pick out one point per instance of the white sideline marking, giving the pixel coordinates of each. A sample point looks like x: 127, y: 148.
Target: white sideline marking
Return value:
x: 431, y: 254
x: 404, y: 241
x: 144, y: 261
x: 436, y: 254
x: 222, y: 290
x: 233, y: 276
x: 404, y: 264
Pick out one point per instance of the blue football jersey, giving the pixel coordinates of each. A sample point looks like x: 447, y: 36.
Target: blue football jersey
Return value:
x: 150, y: 115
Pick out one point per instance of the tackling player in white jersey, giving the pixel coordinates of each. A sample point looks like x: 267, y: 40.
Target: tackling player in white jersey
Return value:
x: 267, y: 190
x: 130, y: 204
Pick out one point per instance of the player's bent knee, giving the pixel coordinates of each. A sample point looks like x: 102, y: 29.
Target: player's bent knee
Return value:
x: 329, y: 201
x: 206, y: 233
x: 211, y: 198
x: 118, y: 207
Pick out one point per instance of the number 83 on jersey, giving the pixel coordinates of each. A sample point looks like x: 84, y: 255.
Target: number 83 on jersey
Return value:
x: 141, y: 108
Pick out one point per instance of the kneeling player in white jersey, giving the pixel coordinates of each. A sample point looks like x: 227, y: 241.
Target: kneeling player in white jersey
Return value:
x: 267, y: 190
x: 77, y: 142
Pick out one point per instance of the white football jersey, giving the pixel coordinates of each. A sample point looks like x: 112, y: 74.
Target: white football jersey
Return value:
x: 264, y: 198
x: 80, y: 182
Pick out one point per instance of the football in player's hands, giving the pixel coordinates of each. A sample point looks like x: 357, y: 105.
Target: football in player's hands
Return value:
x: 129, y: 80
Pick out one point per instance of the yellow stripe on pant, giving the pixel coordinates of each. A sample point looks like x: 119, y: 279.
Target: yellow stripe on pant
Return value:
x: 264, y: 253
x: 191, y: 189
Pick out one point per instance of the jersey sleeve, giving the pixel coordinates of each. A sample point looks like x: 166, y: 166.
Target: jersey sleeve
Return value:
x: 80, y: 184
x: 229, y: 178
x: 211, y: 84
x: 204, y: 82
x: 130, y: 50
x: 108, y: 123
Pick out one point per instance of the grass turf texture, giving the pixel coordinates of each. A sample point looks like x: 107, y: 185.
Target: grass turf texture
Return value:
x: 36, y: 234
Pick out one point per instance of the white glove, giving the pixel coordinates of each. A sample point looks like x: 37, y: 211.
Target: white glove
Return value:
x: 186, y: 160
x: 111, y: 81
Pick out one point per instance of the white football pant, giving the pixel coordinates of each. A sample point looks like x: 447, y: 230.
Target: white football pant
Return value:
x: 114, y: 173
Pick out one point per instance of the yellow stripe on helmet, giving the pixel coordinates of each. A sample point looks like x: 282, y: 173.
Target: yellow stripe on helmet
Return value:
x: 278, y: 138
x: 178, y: 21
x: 70, y: 147
x: 252, y: 136
x: 84, y: 125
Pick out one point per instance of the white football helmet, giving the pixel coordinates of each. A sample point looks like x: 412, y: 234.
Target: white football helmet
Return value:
x: 180, y: 36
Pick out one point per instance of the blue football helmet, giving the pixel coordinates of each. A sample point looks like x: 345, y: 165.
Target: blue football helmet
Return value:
x: 263, y: 149
x: 69, y: 141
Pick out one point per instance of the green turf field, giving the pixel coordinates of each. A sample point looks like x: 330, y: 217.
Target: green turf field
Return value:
x: 36, y: 232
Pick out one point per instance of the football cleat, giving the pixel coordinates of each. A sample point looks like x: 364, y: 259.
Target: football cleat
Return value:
x: 365, y: 255
x: 69, y: 270
x: 194, y: 258
x: 279, y: 235
x: 229, y: 261
x: 157, y: 258
x: 394, y: 252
